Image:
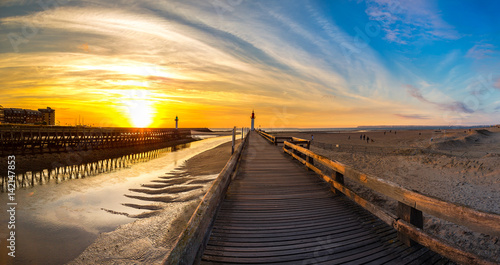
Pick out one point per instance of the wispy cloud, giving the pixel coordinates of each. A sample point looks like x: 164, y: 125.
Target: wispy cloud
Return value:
x: 413, y: 116
x: 203, y: 59
x: 451, y: 106
x: 481, y: 51
x: 408, y: 21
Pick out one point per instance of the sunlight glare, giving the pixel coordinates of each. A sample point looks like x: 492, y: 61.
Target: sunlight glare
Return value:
x: 139, y: 108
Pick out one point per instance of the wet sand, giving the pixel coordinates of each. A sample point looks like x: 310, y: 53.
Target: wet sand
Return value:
x: 168, y: 203
x: 459, y: 166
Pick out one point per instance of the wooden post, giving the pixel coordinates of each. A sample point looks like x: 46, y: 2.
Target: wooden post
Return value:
x: 338, y: 177
x: 309, y: 160
x: 412, y: 216
x: 234, y: 135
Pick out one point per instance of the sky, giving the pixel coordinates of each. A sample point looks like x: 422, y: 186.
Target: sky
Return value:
x: 305, y: 64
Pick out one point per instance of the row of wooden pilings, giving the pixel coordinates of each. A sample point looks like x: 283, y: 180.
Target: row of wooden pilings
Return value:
x: 59, y: 174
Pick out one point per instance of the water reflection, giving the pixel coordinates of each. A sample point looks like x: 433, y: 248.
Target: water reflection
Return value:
x: 63, y: 173
x: 55, y: 223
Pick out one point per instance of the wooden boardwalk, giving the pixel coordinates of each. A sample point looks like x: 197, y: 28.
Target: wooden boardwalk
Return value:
x: 276, y: 212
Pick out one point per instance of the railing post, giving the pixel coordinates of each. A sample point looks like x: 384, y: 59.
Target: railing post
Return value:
x: 337, y: 177
x: 234, y: 136
x: 412, y: 216
x: 309, y: 160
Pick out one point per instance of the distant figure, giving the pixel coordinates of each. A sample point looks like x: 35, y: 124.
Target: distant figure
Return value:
x: 419, y: 133
x: 349, y: 138
x: 360, y: 137
x: 390, y: 131
x: 312, y: 137
x: 384, y: 132
x: 364, y: 136
x: 367, y: 139
x: 395, y: 132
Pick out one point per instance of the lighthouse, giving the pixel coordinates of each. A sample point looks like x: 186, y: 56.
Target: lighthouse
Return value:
x: 176, y: 122
x: 253, y: 120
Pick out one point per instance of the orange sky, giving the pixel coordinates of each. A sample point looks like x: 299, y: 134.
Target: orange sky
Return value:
x: 115, y: 64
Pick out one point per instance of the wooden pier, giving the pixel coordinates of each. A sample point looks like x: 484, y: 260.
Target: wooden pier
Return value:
x: 277, y: 212
x: 26, y: 139
x: 265, y: 208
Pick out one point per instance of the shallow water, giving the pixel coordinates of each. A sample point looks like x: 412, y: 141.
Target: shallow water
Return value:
x: 56, y: 222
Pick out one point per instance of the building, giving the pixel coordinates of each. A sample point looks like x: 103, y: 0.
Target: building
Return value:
x: 33, y: 116
x: 14, y: 115
x: 49, y: 116
x: 27, y: 116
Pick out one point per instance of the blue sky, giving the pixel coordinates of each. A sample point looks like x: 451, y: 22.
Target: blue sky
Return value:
x: 297, y: 63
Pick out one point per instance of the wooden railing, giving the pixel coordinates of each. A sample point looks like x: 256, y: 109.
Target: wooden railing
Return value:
x: 408, y: 220
x: 281, y: 139
x: 190, y: 244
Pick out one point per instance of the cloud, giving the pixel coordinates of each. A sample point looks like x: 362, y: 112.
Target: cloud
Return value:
x: 408, y: 21
x: 451, y: 106
x: 413, y: 116
x: 481, y: 51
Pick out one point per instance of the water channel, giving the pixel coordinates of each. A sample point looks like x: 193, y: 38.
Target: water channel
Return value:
x: 56, y: 222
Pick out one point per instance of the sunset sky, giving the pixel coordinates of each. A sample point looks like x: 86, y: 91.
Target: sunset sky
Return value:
x: 296, y: 63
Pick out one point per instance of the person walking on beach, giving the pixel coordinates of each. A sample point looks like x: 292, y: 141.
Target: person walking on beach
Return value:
x: 367, y: 139
x: 360, y: 137
x: 312, y: 137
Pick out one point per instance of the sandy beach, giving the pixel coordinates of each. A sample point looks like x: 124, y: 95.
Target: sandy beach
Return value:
x: 459, y: 166
x: 168, y: 204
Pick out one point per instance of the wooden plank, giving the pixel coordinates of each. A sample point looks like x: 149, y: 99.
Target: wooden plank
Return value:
x: 191, y: 242
x: 274, y: 214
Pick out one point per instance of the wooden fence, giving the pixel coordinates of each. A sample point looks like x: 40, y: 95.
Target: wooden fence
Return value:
x: 408, y: 220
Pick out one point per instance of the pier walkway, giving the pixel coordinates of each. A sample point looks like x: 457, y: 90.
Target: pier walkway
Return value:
x: 277, y: 212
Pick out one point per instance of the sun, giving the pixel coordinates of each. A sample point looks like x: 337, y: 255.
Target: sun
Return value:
x: 141, y: 114
x: 139, y: 108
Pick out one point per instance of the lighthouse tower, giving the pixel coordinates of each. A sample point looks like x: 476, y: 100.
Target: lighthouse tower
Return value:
x: 253, y: 120
x: 176, y: 122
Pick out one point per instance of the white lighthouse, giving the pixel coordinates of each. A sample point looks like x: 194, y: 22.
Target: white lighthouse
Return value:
x: 176, y: 122
x: 253, y: 121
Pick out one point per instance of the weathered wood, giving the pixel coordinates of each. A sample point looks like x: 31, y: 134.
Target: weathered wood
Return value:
x: 21, y: 139
x: 274, y: 212
x: 412, y: 216
x: 339, y: 178
x: 484, y: 222
x: 189, y: 245
x: 454, y: 253
x: 403, y: 227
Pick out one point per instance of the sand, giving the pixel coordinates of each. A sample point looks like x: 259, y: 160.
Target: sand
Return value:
x: 459, y: 166
x: 168, y: 203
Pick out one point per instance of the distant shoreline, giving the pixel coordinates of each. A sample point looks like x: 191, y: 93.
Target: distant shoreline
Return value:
x: 373, y: 128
